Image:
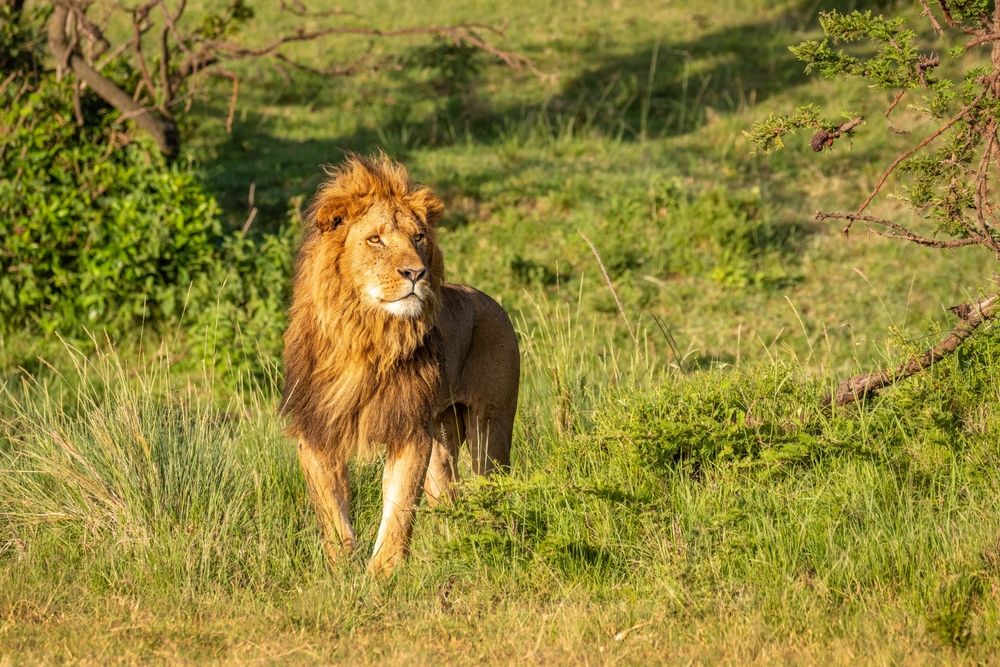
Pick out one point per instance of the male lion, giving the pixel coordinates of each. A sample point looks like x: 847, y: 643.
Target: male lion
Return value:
x: 381, y: 351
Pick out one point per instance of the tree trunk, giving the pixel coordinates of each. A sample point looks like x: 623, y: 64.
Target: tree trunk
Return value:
x: 163, y: 130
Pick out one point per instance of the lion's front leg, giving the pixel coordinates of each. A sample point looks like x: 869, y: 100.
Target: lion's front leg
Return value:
x: 402, y: 484
x: 330, y: 492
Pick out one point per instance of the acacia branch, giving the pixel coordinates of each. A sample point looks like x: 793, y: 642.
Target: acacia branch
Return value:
x: 162, y: 130
x: 941, y: 130
x: 903, y: 233
x: 955, y: 24
x: 824, y: 138
x: 930, y: 15
x: 971, y: 314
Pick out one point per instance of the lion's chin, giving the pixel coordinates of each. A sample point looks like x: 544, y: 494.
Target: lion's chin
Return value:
x: 409, y: 306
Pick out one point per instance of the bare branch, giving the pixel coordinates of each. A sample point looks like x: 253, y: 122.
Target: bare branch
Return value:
x: 860, y: 386
x: 84, y: 24
x: 137, y: 19
x: 162, y: 130
x: 165, y: 66
x: 902, y: 232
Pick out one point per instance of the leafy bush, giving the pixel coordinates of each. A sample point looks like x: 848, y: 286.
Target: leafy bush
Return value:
x: 97, y: 229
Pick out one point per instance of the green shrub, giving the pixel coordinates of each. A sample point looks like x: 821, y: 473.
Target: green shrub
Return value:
x: 94, y: 227
x: 97, y: 229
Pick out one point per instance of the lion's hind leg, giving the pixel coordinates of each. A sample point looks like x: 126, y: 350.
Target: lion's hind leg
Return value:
x: 489, y: 433
x: 330, y: 493
x: 442, y: 471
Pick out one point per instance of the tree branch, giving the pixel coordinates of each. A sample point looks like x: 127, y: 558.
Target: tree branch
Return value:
x: 162, y: 130
x: 955, y: 24
x: 930, y: 15
x: 860, y: 386
x: 941, y: 130
x: 903, y: 233
x: 824, y: 139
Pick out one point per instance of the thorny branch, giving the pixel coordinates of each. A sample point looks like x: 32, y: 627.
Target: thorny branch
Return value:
x: 902, y: 232
x: 941, y: 130
x: 969, y: 187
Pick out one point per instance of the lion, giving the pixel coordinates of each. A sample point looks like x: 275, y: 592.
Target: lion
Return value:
x: 380, y: 351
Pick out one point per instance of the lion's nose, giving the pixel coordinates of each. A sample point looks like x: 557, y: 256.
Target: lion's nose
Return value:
x: 413, y: 275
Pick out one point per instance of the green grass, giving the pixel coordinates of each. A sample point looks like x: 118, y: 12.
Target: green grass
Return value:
x: 715, y: 516
x: 684, y: 501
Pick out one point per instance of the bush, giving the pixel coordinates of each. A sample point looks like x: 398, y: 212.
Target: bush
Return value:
x: 97, y: 229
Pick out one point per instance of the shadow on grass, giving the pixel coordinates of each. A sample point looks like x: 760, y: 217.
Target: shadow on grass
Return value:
x: 726, y: 70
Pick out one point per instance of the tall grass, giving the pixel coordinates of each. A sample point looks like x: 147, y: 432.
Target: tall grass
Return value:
x: 683, y: 505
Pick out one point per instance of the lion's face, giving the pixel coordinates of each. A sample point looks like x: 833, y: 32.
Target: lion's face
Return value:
x: 387, y: 251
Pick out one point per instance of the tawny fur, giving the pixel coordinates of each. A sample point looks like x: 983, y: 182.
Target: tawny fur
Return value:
x: 380, y: 352
x: 357, y: 377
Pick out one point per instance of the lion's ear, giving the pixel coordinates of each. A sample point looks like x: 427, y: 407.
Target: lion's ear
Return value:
x: 331, y: 214
x: 427, y: 205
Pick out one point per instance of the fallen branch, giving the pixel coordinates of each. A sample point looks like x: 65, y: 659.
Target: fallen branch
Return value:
x: 860, y: 386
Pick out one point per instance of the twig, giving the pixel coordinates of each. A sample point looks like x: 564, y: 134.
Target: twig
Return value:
x: 825, y: 138
x: 250, y: 218
x: 236, y: 91
x: 77, y: 107
x: 6, y: 82
x: 895, y: 102
x: 137, y: 19
x: 607, y: 278
x: 904, y: 233
x: 930, y: 15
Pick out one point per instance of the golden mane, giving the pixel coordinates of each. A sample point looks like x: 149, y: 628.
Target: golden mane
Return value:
x: 356, y: 376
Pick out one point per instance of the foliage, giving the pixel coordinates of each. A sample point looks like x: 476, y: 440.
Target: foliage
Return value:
x: 93, y: 231
x: 20, y: 42
x: 98, y: 230
x: 943, y: 180
x: 950, y: 186
x: 679, y: 495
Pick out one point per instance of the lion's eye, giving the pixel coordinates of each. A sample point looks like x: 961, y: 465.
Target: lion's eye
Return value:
x: 374, y: 240
x: 418, y: 238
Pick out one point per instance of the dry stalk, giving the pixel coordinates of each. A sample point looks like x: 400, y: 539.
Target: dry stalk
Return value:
x: 607, y: 279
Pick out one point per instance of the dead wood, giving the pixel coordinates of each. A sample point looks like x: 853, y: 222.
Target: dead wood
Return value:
x: 972, y: 315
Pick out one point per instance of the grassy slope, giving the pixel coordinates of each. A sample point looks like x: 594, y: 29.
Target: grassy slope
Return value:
x: 166, y: 530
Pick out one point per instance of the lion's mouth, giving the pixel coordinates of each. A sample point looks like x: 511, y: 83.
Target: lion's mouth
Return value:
x: 402, y: 298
